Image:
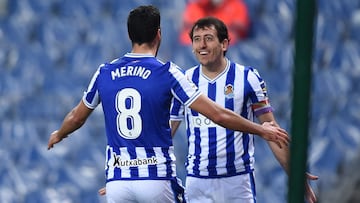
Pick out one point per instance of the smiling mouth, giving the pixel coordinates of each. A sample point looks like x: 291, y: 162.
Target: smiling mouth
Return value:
x: 203, y: 52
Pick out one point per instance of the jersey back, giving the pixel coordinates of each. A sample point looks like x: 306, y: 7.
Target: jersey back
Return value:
x: 136, y: 93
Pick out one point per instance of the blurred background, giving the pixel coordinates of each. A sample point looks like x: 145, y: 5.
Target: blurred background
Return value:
x: 49, y: 50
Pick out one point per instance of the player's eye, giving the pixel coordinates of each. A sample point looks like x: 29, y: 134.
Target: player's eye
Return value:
x: 209, y: 38
x: 196, y: 39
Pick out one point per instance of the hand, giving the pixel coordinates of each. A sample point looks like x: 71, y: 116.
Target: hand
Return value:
x: 309, y: 193
x: 275, y: 134
x: 54, y: 138
x: 102, y: 191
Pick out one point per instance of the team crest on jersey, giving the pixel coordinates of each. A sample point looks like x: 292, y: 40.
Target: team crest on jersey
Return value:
x: 229, y: 91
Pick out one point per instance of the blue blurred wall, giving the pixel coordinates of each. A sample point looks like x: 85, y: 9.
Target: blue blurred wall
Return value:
x: 49, y: 50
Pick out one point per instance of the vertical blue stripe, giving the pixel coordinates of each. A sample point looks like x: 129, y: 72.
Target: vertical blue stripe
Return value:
x: 244, y: 113
x: 252, y: 185
x: 176, y: 105
x: 197, y: 151
x: 212, y: 152
x: 91, y: 92
x: 169, y: 171
x: 212, y: 91
x: 108, y: 156
x: 246, y: 157
x: 195, y: 79
x: 152, y: 168
x: 187, y: 129
x: 212, y: 135
x: 249, y: 89
x: 229, y: 104
x: 178, y: 191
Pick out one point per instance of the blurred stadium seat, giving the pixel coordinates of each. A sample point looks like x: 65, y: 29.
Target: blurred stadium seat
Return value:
x: 50, y: 49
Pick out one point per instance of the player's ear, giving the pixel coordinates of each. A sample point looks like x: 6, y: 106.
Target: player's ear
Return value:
x: 225, y: 44
x: 158, y: 35
x: 159, y: 32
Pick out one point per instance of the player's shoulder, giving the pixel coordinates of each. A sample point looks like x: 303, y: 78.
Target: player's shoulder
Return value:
x: 173, y: 67
x: 246, y: 68
x: 241, y: 67
x: 254, y: 71
x: 191, y: 70
x: 108, y: 64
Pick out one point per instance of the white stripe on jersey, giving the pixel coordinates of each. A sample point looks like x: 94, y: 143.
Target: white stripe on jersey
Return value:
x: 143, y: 171
x: 125, y: 170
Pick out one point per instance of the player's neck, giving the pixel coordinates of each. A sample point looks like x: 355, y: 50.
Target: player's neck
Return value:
x: 143, y: 49
x: 212, y: 70
x: 148, y: 48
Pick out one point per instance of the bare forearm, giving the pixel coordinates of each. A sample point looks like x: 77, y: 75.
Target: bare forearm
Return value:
x: 281, y: 155
x: 74, y: 119
x: 231, y: 120
x: 70, y: 124
x: 224, y: 117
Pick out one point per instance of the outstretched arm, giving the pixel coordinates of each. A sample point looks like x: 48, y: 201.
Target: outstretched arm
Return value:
x: 229, y: 119
x: 282, y: 155
x: 72, y: 121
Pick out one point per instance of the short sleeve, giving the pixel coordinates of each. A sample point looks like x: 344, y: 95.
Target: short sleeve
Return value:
x: 91, y: 96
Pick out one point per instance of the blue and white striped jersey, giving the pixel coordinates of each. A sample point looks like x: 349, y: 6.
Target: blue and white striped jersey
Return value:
x: 213, y: 150
x: 136, y: 93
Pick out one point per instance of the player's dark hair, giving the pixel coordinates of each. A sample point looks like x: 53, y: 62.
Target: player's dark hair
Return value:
x: 220, y: 27
x: 143, y: 24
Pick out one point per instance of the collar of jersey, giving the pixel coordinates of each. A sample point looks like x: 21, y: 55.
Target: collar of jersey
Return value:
x: 138, y: 55
x: 218, y: 76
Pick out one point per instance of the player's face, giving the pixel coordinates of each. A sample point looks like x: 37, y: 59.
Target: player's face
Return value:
x: 207, y: 48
